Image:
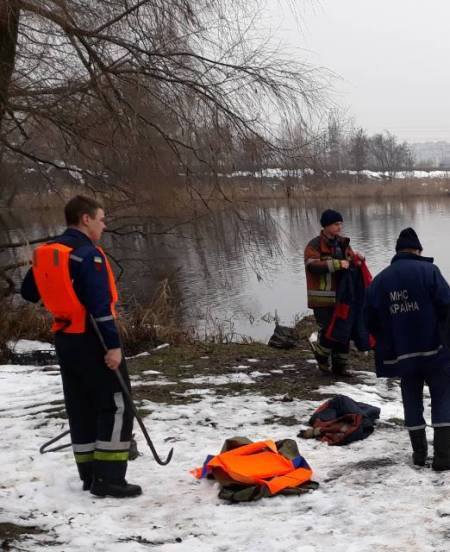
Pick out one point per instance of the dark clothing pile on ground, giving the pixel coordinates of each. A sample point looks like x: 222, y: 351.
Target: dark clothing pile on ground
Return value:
x: 341, y: 420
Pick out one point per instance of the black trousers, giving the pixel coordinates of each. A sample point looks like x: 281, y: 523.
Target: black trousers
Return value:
x: 100, y: 418
x: 323, y: 316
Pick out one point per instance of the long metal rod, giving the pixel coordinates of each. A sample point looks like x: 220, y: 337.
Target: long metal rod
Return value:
x: 43, y: 449
x: 141, y: 423
x: 131, y: 402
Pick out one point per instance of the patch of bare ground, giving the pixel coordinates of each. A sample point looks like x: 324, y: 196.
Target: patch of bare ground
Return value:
x: 172, y: 375
x: 12, y: 535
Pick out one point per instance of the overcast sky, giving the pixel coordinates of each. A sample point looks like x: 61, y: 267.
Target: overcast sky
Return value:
x: 392, y: 56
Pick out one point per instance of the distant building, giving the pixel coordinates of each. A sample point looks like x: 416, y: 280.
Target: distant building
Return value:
x: 431, y: 155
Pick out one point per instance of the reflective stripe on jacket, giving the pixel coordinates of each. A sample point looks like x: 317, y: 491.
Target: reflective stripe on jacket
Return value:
x: 322, y: 262
x: 406, y: 305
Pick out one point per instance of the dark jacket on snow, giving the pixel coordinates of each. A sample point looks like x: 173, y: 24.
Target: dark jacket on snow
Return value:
x: 341, y: 420
x: 406, y: 307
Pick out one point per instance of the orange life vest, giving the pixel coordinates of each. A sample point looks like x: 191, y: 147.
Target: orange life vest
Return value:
x: 54, y: 283
x: 258, y: 463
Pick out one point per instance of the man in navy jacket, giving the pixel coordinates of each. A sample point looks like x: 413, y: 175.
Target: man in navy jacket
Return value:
x: 406, y: 307
x: 100, y: 419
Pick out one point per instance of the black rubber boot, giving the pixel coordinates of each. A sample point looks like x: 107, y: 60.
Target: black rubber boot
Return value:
x: 321, y: 357
x: 87, y: 484
x: 134, y: 452
x: 441, y: 459
x: 85, y: 470
x: 117, y: 489
x: 339, y: 364
x: 418, y: 438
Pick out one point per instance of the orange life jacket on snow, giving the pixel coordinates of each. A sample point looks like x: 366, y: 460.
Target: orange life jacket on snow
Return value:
x: 258, y: 463
x: 52, y: 276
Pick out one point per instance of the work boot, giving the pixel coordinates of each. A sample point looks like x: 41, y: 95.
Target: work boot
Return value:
x: 419, y: 445
x: 133, y: 453
x: 116, y: 489
x: 321, y: 357
x: 441, y: 459
x: 85, y: 470
x: 87, y: 484
x: 339, y: 364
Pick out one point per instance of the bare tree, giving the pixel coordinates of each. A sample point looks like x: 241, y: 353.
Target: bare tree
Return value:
x: 358, y: 150
x: 389, y: 155
x: 102, y: 92
x: 84, y: 82
x: 335, y: 139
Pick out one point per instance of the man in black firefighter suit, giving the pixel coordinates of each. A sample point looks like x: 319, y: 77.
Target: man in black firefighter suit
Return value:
x: 99, y: 417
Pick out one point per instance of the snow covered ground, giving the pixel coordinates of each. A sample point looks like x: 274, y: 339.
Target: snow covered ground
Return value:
x: 370, y: 497
x: 280, y: 174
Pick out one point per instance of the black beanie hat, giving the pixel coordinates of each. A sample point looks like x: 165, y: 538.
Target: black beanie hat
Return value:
x: 408, y: 239
x: 330, y: 217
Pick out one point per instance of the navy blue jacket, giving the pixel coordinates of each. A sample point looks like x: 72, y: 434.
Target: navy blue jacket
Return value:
x: 345, y: 420
x: 90, y: 281
x: 347, y: 322
x: 405, y: 306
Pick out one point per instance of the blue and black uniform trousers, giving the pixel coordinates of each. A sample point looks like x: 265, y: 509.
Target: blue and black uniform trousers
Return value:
x: 437, y: 376
x: 100, y: 418
x: 338, y: 352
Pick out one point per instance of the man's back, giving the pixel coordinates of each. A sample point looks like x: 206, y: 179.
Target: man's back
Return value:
x: 405, y: 305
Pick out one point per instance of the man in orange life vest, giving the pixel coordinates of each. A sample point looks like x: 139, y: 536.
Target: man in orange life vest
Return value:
x: 72, y: 277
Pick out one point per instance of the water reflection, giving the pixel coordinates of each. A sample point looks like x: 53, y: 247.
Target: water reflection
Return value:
x: 241, y: 265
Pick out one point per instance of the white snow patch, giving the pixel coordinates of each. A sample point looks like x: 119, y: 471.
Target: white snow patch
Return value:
x: 161, y: 381
x: 257, y: 374
x: 220, y: 380
x: 370, y: 497
x: 241, y: 367
x: 139, y: 355
x: 28, y: 346
x: 191, y: 392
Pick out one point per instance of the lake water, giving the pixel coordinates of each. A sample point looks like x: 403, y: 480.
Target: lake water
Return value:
x: 238, y: 271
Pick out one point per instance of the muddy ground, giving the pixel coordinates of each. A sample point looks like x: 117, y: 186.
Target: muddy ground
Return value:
x: 292, y: 373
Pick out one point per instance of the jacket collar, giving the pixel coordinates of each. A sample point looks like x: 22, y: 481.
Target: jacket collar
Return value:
x: 410, y: 256
x: 80, y: 236
x: 325, y: 242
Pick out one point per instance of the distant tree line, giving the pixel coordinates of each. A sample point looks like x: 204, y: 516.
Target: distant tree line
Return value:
x: 330, y: 150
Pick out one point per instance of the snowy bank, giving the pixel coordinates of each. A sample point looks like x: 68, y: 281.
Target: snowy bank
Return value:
x: 370, y: 497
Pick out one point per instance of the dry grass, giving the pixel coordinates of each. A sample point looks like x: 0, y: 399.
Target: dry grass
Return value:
x: 246, y: 189
x: 144, y: 326
x: 179, y: 199
x: 22, y: 322
x: 141, y: 327
x: 402, y: 188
